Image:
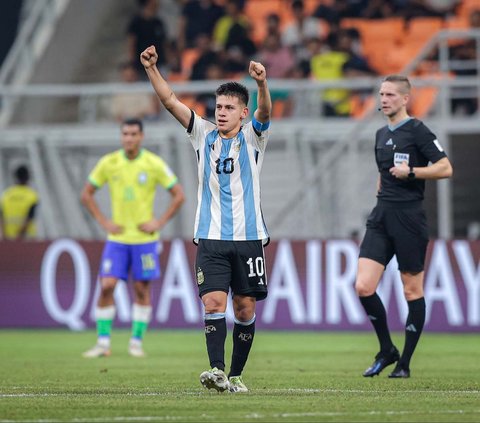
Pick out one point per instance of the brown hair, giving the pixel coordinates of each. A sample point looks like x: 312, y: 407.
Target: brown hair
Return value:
x: 400, y: 80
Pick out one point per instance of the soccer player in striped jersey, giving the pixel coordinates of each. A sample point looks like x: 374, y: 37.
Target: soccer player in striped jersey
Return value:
x: 132, y: 174
x: 229, y: 227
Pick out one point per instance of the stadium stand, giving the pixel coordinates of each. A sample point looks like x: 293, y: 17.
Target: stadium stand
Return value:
x: 306, y: 143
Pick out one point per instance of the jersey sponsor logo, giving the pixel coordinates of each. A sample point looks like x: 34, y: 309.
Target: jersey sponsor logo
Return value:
x: 389, y: 142
x: 411, y: 328
x: 200, y: 276
x: 399, y: 158
x: 438, y: 145
x: 142, y: 178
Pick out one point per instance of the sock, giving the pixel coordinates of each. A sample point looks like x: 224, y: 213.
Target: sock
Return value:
x: 413, y: 330
x: 141, y: 316
x: 104, y: 317
x: 376, y: 313
x: 243, y: 333
x: 215, y: 334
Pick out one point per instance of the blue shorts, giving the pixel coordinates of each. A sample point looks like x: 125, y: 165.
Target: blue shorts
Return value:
x: 141, y: 259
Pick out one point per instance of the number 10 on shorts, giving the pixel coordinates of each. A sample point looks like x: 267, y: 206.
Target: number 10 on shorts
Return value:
x: 257, y: 268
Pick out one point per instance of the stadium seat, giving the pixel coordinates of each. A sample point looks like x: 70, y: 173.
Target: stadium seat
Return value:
x: 360, y: 106
x: 421, y: 29
x: 189, y: 57
x: 422, y: 101
x: 457, y: 22
x: 257, y: 12
x: 467, y: 7
x: 401, y: 56
x: 191, y: 102
x: 391, y: 29
x: 378, y: 53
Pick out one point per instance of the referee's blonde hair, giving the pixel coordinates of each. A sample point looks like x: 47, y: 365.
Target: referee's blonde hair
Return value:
x: 402, y: 82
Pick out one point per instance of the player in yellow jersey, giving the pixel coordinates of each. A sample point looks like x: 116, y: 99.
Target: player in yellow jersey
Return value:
x: 18, y: 204
x: 132, y: 174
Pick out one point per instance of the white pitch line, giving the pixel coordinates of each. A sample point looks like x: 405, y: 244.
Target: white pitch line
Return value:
x: 248, y: 416
x: 255, y: 391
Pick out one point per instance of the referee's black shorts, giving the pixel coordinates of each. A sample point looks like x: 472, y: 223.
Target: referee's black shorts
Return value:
x: 236, y: 265
x: 396, y: 228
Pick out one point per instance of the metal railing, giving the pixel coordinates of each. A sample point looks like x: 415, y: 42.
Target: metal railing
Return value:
x: 327, y: 170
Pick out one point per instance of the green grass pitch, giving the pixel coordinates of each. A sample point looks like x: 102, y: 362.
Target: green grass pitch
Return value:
x: 292, y: 376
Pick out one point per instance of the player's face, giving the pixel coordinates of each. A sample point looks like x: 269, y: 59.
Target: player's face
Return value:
x: 132, y: 138
x: 392, y: 99
x: 229, y: 113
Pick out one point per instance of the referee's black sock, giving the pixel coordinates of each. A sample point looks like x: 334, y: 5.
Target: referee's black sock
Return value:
x: 378, y: 316
x: 413, y: 330
x: 215, y: 334
x: 243, y: 333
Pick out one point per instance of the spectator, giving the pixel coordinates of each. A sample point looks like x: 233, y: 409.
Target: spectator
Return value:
x: 329, y: 65
x: 18, y: 205
x: 239, y: 49
x: 301, y: 29
x: 356, y: 65
x: 432, y: 8
x: 380, y: 9
x: 213, y: 72
x: 133, y: 105
x: 277, y: 59
x: 145, y: 29
x: 272, y: 24
x: 197, y: 17
x: 207, y: 56
x: 234, y: 17
x: 339, y: 9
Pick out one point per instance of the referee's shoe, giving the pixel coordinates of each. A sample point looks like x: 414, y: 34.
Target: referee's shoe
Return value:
x: 382, y: 360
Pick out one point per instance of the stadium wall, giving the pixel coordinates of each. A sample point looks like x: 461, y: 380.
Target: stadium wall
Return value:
x: 54, y: 285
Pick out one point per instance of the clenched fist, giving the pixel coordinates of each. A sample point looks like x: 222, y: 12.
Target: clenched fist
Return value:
x: 257, y: 71
x: 149, y: 57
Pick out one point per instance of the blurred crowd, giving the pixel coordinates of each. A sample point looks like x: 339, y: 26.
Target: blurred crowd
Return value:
x: 294, y: 39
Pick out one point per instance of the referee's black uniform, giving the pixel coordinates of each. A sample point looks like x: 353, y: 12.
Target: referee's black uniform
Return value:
x: 397, y: 225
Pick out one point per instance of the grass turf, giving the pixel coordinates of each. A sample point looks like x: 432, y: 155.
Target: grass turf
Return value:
x: 292, y: 376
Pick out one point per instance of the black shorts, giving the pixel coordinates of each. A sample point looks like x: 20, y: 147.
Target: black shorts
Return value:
x: 235, y: 265
x: 400, y: 229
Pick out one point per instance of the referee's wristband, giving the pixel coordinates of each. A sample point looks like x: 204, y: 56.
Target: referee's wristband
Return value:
x: 411, y: 175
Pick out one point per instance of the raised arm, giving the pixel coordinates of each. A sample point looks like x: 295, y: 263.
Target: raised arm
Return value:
x: 170, y: 101
x: 264, y: 108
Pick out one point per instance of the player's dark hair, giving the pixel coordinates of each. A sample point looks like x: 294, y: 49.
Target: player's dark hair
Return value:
x: 234, y: 89
x: 133, y: 121
x: 399, y: 79
x: 22, y: 174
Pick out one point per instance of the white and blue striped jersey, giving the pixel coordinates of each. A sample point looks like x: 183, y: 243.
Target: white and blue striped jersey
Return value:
x: 229, y: 181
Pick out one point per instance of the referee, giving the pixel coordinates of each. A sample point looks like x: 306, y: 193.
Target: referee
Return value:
x: 397, y: 225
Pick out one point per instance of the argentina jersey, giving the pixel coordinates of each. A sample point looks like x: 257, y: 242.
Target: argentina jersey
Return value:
x: 229, y: 181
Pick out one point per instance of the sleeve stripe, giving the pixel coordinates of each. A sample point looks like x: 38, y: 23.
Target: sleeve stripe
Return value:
x: 260, y: 126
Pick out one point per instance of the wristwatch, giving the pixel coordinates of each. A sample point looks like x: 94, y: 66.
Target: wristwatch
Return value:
x: 411, y: 174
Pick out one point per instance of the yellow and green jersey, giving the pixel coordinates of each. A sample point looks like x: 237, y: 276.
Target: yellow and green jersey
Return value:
x: 329, y: 65
x: 132, y: 185
x: 18, y: 204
